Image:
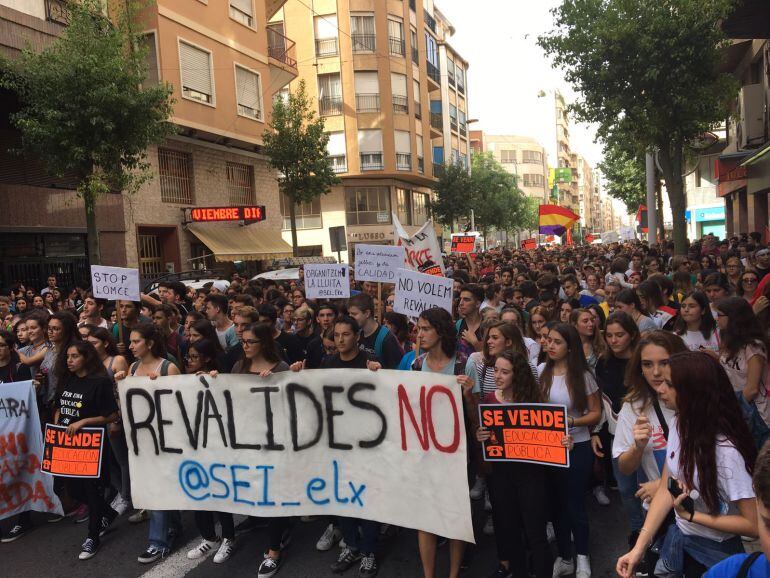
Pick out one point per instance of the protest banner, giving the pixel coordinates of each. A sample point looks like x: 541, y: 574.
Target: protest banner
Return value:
x: 525, y: 432
x: 528, y: 244
x: 463, y: 242
x: 115, y: 283
x: 76, y: 456
x: 22, y: 485
x: 421, y: 248
x: 416, y: 292
x: 327, y: 281
x: 378, y: 263
x: 387, y: 446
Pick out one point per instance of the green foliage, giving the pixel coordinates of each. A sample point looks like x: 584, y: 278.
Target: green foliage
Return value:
x: 497, y: 201
x: 624, y: 172
x: 452, y: 194
x: 646, y: 71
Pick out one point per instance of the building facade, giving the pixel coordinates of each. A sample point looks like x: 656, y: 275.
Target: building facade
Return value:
x: 391, y: 92
x: 524, y: 157
x: 585, y: 185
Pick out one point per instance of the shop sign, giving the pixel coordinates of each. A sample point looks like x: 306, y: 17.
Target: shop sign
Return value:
x: 252, y: 214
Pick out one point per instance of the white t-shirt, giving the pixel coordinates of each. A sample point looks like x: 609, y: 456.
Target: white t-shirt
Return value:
x: 533, y: 349
x: 738, y: 368
x: 654, y: 455
x: 733, y: 482
x: 694, y: 340
x: 560, y: 394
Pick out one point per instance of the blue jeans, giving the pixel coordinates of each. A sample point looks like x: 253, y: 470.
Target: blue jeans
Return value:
x: 370, y: 532
x: 163, y: 525
x: 628, y: 485
x: 703, y: 550
x: 569, y: 487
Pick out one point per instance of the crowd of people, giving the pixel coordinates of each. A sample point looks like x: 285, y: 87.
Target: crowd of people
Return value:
x: 660, y: 360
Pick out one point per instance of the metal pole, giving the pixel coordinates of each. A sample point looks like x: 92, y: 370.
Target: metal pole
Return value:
x: 652, y: 206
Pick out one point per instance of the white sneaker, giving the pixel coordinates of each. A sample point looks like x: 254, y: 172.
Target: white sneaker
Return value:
x: 487, y: 503
x: 477, y: 491
x: 224, y: 552
x: 119, y: 504
x: 601, y: 496
x: 489, y: 527
x: 205, y: 548
x: 550, y: 533
x: 583, y: 567
x: 329, y: 538
x: 563, y: 567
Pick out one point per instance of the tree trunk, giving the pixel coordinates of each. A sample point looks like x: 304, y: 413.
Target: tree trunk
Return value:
x: 92, y: 236
x: 659, y: 199
x: 293, y: 219
x: 671, y: 157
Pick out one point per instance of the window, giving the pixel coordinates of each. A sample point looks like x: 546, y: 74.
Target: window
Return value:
x: 248, y: 90
x: 419, y: 208
x: 396, y: 37
x: 415, y: 48
x: 438, y: 155
x: 240, y: 184
x: 450, y: 70
x: 367, y: 91
x: 404, y: 206
x: 453, y: 117
x: 242, y: 11
x: 370, y: 149
x: 508, y: 157
x: 362, y: 32
x: 326, y: 35
x: 282, y: 95
x: 329, y: 94
x: 460, y: 73
x: 403, y: 150
x: 532, y: 157
x: 367, y: 205
x: 417, y: 105
x: 420, y: 157
x: 147, y: 43
x: 431, y: 50
x: 176, y: 176
x: 306, y: 215
x: 337, y: 151
x: 197, y: 74
x: 400, y: 98
x: 463, y: 125
x: 533, y: 180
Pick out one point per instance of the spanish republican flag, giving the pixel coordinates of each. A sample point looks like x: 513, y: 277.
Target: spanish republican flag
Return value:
x: 555, y: 220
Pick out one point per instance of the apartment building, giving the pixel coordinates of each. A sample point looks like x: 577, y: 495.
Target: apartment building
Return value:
x: 224, y: 64
x: 584, y: 184
x: 566, y: 185
x: 522, y: 156
x: 392, y: 94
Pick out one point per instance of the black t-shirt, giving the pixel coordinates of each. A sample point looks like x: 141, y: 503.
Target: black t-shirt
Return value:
x: 14, y: 372
x: 334, y: 362
x: 761, y: 272
x: 391, y: 350
x: 84, y: 397
x: 611, y: 375
x: 292, y: 346
x: 314, y: 353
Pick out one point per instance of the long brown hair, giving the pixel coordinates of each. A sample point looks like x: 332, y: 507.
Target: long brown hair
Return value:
x: 510, y: 332
x: 629, y: 326
x: 524, y: 388
x: 598, y: 344
x: 577, y: 367
x: 639, y: 391
x: 537, y: 310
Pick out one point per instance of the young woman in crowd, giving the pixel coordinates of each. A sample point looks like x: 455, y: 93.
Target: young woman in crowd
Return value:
x: 21, y: 305
x: 716, y: 286
x: 733, y: 270
x: 696, y: 324
x: 594, y: 345
x: 593, y: 287
x: 286, y: 319
x: 538, y: 317
x: 304, y: 328
x: 514, y: 315
x: 563, y: 311
x: 627, y: 301
x: 706, y: 479
x: 748, y: 284
x: 567, y: 380
x: 683, y: 284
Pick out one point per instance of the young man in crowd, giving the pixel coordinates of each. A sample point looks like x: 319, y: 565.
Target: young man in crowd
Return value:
x: 216, y: 312
x: 51, y: 285
x: 376, y: 340
x: 290, y: 347
x: 469, y: 326
x: 315, y: 348
x: 92, y: 312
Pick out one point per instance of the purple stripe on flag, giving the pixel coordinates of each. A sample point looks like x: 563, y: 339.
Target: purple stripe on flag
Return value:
x: 552, y: 230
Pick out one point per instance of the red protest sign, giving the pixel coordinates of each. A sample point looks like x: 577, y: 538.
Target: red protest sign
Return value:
x: 462, y: 243
x: 77, y: 456
x: 530, y: 433
x: 528, y: 244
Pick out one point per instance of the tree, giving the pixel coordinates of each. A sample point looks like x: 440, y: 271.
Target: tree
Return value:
x: 624, y: 172
x: 452, y: 195
x: 647, y: 70
x: 84, y: 110
x: 296, y: 144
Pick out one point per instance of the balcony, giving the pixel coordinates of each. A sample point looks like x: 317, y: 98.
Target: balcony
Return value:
x: 400, y: 104
x: 367, y: 103
x: 56, y: 11
x: 437, y: 122
x: 371, y: 161
x: 421, y: 165
x: 438, y: 169
x: 281, y: 52
x: 364, y: 42
x: 434, y: 73
x: 330, y: 105
x: 339, y: 163
x: 396, y: 46
x: 326, y: 47
x: 404, y: 161
x: 430, y: 22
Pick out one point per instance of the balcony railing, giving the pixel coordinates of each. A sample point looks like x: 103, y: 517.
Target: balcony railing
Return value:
x: 326, y: 47
x: 415, y: 55
x: 364, y: 42
x: 396, y: 46
x: 453, y: 123
x: 434, y: 73
x: 451, y: 78
x: 368, y: 103
x: 339, y: 163
x: 438, y: 168
x: 330, y: 105
x: 371, y: 161
x: 57, y: 11
x: 460, y: 86
x: 417, y: 110
x: 437, y: 121
x: 421, y: 165
x: 463, y: 129
x: 403, y: 161
x: 430, y: 22
x: 400, y: 104
x: 280, y: 47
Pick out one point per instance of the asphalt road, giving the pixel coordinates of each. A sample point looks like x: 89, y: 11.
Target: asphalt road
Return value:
x: 52, y: 550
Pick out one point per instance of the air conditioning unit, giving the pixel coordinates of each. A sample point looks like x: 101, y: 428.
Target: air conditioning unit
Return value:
x: 750, y: 131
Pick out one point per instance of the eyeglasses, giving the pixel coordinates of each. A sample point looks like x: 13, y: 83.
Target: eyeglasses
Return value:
x: 750, y: 280
x: 250, y: 341
x: 299, y: 318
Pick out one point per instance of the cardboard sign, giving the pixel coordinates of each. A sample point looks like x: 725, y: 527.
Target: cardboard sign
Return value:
x: 77, y: 456
x: 23, y: 487
x: 327, y: 281
x: 416, y: 292
x: 432, y: 270
x: 463, y: 242
x: 115, y: 283
x: 314, y: 443
x: 421, y: 248
x: 530, y: 433
x: 529, y: 244
x: 378, y: 263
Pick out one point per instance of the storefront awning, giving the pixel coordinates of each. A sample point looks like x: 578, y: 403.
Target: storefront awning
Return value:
x: 757, y: 156
x: 248, y: 243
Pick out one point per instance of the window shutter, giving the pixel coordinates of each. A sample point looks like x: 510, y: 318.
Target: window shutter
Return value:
x: 419, y: 147
x: 247, y: 84
x: 416, y: 86
x: 196, y: 69
x: 336, y: 145
x: 367, y: 83
x: 370, y: 140
x: 398, y: 84
x: 403, y: 142
x: 243, y: 5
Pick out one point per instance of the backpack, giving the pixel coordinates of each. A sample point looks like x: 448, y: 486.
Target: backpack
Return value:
x: 460, y: 362
x: 743, y: 572
x: 382, y: 333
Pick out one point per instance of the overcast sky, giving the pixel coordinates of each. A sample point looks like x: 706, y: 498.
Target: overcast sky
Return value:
x: 507, y: 69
